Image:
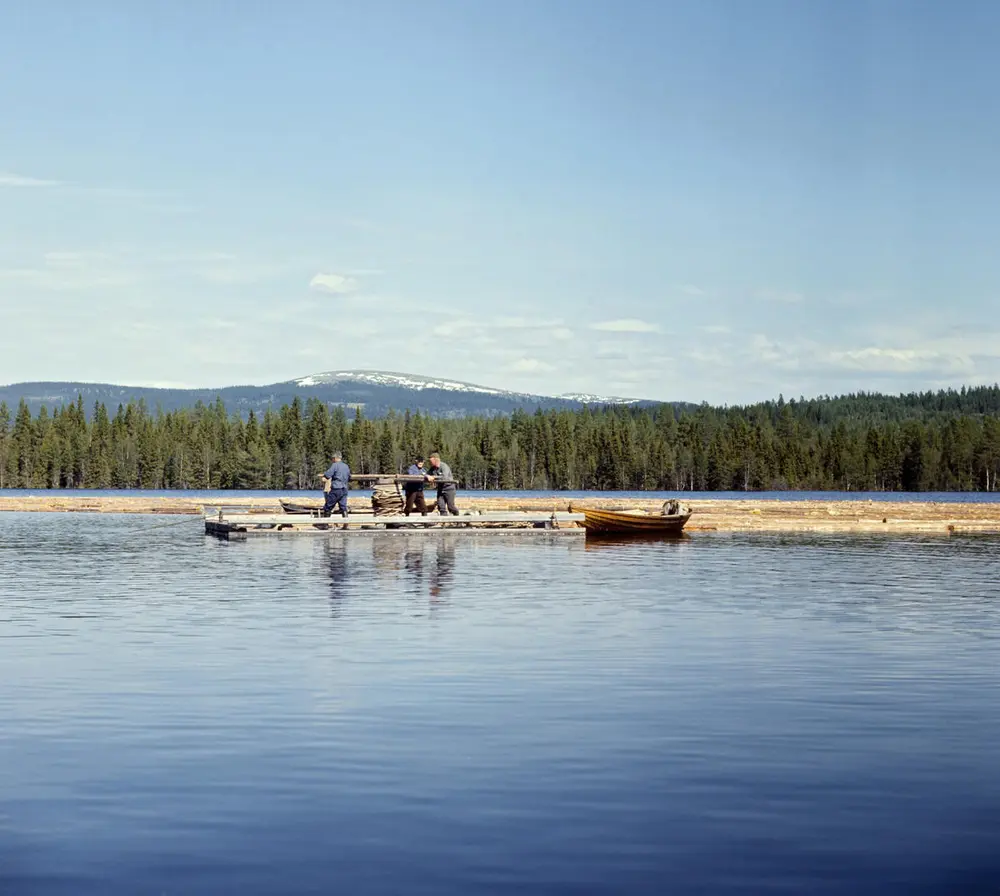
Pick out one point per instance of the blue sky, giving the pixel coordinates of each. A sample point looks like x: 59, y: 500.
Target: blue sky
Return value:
x: 711, y: 200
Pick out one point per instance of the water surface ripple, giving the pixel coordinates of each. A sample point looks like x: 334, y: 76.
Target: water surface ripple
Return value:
x: 454, y: 715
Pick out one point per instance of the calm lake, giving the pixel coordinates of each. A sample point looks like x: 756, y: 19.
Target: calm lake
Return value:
x: 445, y: 714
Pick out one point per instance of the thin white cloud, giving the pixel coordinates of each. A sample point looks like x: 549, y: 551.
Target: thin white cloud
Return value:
x: 7, y: 179
x: 337, y: 284
x: 529, y: 365
x: 901, y: 360
x: 934, y: 358
x: 63, y: 275
x: 626, y: 325
x: 776, y: 354
x: 77, y: 259
x: 76, y: 269
x: 525, y: 332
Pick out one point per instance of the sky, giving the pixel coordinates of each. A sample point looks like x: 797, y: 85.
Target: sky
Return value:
x: 716, y: 201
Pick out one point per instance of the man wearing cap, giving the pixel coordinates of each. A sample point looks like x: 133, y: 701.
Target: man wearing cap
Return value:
x: 414, y: 491
x: 446, y: 489
x: 336, y: 480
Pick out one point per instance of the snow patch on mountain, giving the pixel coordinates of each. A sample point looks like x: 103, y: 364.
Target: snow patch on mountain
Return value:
x: 587, y: 398
x: 401, y: 380
x: 420, y: 383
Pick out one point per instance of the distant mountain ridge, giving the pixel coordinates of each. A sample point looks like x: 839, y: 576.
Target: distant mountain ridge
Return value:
x: 376, y: 392
x: 420, y: 383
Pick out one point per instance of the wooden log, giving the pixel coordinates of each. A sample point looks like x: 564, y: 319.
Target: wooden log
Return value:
x: 387, y: 502
x: 396, y: 477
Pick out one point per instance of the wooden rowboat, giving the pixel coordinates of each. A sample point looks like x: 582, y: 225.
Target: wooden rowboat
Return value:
x: 670, y: 521
x: 296, y: 507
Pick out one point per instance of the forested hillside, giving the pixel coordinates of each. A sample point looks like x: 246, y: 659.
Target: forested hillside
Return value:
x: 946, y: 440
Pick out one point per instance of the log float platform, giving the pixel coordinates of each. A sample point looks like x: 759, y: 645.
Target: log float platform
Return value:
x: 756, y: 515
x: 240, y: 525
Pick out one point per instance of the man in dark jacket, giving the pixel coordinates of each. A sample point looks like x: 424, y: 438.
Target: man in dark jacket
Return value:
x: 414, y: 491
x: 445, y: 489
x: 338, y: 477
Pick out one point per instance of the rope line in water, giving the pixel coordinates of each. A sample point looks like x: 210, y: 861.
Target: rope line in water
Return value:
x: 187, y: 519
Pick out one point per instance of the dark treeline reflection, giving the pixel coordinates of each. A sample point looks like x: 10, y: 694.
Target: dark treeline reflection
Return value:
x: 944, y: 441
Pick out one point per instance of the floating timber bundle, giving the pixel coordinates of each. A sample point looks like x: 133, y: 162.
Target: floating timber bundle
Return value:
x: 387, y: 502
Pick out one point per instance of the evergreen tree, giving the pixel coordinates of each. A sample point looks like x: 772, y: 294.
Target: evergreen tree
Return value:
x: 928, y: 441
x: 387, y: 450
x: 48, y: 466
x: 24, y: 446
x: 5, y: 447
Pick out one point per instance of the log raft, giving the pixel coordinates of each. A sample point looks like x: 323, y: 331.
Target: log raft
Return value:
x: 240, y: 525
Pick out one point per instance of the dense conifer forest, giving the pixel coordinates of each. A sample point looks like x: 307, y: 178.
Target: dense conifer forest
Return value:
x: 940, y: 441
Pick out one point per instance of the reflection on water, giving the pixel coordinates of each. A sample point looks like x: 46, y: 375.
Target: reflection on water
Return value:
x: 451, y: 714
x: 443, y: 569
x: 336, y: 563
x: 423, y: 566
x: 607, y: 541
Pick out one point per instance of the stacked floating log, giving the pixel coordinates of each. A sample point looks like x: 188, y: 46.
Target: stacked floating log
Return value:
x: 387, y: 502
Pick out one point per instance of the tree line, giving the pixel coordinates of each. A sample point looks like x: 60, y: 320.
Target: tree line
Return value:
x: 943, y: 441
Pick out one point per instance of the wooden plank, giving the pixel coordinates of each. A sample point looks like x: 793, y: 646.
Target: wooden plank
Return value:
x: 298, y: 519
x: 411, y: 532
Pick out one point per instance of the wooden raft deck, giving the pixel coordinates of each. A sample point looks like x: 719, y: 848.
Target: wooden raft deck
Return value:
x: 240, y: 525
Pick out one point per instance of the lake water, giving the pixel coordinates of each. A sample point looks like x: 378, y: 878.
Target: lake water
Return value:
x: 446, y: 714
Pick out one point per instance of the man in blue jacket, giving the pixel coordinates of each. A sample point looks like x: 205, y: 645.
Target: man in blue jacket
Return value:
x: 414, y: 491
x: 338, y: 476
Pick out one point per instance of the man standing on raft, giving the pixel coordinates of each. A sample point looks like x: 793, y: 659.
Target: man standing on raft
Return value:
x: 336, y: 480
x: 414, y: 491
x: 445, y: 490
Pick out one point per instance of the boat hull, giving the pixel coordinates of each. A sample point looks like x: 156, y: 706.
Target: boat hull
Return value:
x: 611, y: 522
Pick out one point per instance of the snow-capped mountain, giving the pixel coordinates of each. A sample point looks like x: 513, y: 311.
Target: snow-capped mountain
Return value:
x: 435, y: 395
x: 374, y: 392
x: 400, y: 380
x: 420, y: 383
